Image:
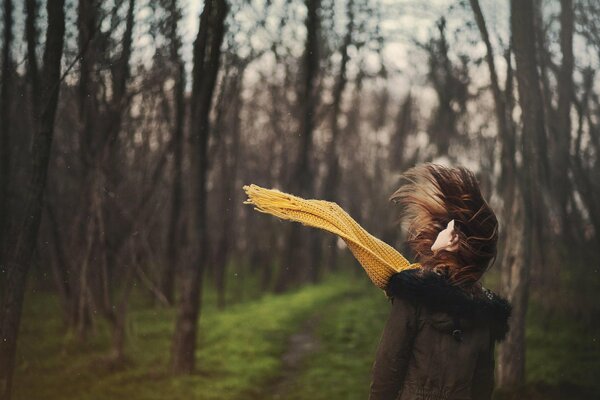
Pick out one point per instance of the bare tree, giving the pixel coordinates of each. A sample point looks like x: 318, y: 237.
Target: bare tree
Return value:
x: 517, y: 275
x: 175, y: 224
x: 301, y: 181
x: 5, y: 123
x: 450, y: 83
x: 229, y: 155
x: 21, y: 234
x: 505, y: 133
x: 332, y: 178
x: 562, y: 122
x: 583, y: 178
x: 207, y: 51
x: 101, y: 119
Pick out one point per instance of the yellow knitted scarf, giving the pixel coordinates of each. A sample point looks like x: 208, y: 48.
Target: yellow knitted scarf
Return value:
x: 378, y: 259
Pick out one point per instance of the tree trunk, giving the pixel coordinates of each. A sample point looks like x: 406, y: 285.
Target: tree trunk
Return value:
x: 517, y: 273
x: 118, y: 316
x: 505, y: 134
x: 61, y: 266
x: 515, y: 284
x: 20, y: 241
x: 101, y: 125
x: 584, y: 185
x: 81, y: 315
x: 5, y: 122
x: 31, y: 38
x: 228, y: 179
x: 562, y: 183
x: 175, y: 228
x: 207, y: 50
x: 333, y: 165
x: 296, y: 255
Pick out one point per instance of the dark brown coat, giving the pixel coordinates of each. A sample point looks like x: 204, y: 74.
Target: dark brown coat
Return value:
x: 438, y: 342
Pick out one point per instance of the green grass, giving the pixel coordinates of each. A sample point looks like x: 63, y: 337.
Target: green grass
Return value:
x: 562, y: 352
x: 239, y: 353
x: 349, y: 334
x: 239, y: 349
x: 563, y: 355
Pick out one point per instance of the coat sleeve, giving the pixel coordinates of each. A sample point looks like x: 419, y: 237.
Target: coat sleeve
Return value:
x: 393, y: 353
x: 483, y: 379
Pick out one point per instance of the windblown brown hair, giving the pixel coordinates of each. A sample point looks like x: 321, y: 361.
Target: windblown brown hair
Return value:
x: 435, y: 194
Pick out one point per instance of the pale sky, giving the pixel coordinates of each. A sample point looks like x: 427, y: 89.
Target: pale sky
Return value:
x: 402, y: 22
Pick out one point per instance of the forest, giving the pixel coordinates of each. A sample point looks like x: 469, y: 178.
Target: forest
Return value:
x: 129, y: 265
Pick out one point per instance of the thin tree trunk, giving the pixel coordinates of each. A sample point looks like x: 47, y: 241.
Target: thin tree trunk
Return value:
x: 404, y: 126
x: 98, y: 143
x: 562, y: 183
x: 505, y: 134
x: 207, y: 50
x: 87, y: 15
x: 20, y: 242
x: 333, y: 168
x: 118, y: 316
x: 296, y: 255
x: 175, y: 228
x: 5, y: 122
x: 61, y: 266
x: 228, y: 179
x: 31, y: 37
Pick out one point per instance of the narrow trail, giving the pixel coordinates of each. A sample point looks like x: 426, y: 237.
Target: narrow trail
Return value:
x: 301, y: 344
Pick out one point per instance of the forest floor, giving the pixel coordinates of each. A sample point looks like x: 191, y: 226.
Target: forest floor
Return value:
x: 301, y: 345
x: 317, y: 342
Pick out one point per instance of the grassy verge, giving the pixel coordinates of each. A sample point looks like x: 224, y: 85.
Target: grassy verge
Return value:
x: 239, y: 349
x: 563, y: 356
x: 563, y: 359
x: 349, y: 334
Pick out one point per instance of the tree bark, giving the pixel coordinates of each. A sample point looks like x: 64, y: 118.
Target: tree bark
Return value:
x: 333, y: 165
x: 175, y: 221
x: 228, y: 178
x: 207, y: 50
x: 31, y: 37
x: 61, y: 267
x: 101, y: 122
x: 87, y: 16
x: 19, y: 244
x: 5, y: 122
x: 296, y: 255
x: 562, y: 183
x: 118, y: 316
x: 583, y: 183
x: 517, y: 274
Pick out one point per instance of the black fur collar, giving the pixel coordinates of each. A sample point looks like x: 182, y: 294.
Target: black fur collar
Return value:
x: 437, y: 293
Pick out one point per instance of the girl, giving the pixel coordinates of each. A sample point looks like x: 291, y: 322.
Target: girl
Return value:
x: 438, y: 342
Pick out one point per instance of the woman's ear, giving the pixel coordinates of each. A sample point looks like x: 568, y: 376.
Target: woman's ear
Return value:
x: 453, y: 242
x: 447, y: 239
x: 451, y: 225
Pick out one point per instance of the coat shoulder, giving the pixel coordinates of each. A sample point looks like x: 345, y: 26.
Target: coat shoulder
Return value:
x: 436, y: 292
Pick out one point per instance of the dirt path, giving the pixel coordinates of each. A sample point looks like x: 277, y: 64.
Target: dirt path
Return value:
x: 300, y: 345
